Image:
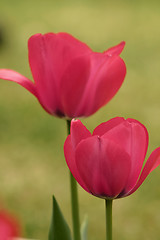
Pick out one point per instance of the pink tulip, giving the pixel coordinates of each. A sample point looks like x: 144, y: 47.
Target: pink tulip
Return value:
x: 108, y: 163
x: 70, y: 80
x: 9, y: 227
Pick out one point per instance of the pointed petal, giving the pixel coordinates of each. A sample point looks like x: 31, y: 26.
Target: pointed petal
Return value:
x: 103, y: 166
x: 152, y: 163
x: 70, y: 160
x: 11, y: 75
x: 106, y: 126
x: 78, y: 132
x: 106, y: 77
x: 116, y: 50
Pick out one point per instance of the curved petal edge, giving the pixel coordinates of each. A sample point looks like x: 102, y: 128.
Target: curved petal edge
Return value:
x: 152, y: 163
x: 14, y: 76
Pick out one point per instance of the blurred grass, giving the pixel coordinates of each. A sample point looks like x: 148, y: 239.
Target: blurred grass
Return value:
x: 32, y: 166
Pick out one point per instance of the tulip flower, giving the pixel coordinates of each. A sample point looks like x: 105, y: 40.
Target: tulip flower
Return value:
x: 70, y: 80
x: 108, y: 163
x: 9, y: 227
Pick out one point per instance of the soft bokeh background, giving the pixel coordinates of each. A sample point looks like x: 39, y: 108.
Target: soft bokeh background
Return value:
x: 32, y: 166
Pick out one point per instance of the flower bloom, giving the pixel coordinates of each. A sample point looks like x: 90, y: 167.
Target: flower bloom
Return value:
x: 108, y: 163
x: 70, y: 80
x: 9, y: 227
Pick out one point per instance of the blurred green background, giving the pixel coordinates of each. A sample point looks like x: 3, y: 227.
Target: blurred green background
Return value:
x: 32, y: 165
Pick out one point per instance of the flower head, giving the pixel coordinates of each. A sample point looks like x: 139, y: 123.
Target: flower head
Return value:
x: 108, y: 163
x: 9, y: 226
x: 70, y: 80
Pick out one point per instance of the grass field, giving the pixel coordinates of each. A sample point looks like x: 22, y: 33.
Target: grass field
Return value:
x: 32, y: 165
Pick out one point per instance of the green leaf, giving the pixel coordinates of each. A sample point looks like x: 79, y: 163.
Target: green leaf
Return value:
x: 84, y: 229
x: 59, y: 229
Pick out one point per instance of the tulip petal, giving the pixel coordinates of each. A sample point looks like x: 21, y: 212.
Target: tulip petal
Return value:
x: 40, y: 59
x: 116, y: 50
x: 49, y: 56
x: 73, y: 84
x: 106, y: 126
x: 103, y: 166
x: 106, y: 77
x: 53, y: 52
x: 138, y: 150
x: 111, y: 77
x: 78, y: 132
x: 118, y: 167
x: 70, y: 160
x: 132, y: 136
x: 73, y: 45
x: 11, y: 75
x: 152, y: 163
x: 88, y: 160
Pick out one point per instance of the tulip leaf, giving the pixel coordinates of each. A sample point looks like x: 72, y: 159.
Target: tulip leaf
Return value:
x: 59, y: 228
x: 84, y: 229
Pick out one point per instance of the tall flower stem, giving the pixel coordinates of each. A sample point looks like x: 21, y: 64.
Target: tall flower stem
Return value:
x: 108, y: 207
x: 74, y: 200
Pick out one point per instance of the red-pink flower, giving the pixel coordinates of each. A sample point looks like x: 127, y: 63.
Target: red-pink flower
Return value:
x: 70, y: 80
x: 9, y: 226
x: 108, y: 163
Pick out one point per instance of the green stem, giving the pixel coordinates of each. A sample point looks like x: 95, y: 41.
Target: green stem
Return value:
x: 74, y: 201
x: 108, y: 206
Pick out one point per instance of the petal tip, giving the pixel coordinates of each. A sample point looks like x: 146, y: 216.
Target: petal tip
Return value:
x: 75, y: 123
x: 116, y: 50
